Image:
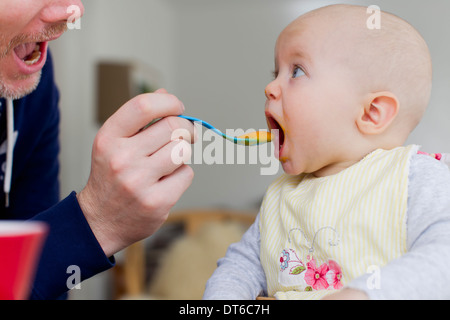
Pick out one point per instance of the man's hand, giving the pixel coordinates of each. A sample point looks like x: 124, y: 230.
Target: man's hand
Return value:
x: 134, y: 181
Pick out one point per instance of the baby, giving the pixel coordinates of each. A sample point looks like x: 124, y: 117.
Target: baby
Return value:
x: 356, y: 215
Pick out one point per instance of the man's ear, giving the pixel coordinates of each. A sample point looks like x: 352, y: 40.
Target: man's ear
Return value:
x: 379, y: 111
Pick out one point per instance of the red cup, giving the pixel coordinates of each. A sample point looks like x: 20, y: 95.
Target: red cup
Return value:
x: 20, y: 248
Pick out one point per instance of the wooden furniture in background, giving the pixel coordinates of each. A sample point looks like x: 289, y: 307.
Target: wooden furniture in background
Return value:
x: 129, y: 277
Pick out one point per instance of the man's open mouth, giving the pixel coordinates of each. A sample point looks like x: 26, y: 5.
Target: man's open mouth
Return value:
x: 29, y: 53
x: 275, y: 127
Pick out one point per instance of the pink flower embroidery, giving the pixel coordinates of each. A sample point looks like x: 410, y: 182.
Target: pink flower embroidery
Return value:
x: 316, y: 276
x: 334, y: 276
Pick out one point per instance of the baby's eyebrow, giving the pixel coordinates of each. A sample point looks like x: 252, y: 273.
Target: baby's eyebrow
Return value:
x: 301, y: 54
x: 294, y: 54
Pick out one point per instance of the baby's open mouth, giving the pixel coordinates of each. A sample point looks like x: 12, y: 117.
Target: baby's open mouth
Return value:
x: 275, y: 127
x: 29, y: 52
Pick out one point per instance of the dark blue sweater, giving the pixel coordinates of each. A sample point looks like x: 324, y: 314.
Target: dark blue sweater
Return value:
x: 35, y: 192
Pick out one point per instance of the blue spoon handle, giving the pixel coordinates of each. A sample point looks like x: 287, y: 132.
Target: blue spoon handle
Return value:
x: 242, y: 141
x: 208, y: 126
x: 203, y: 123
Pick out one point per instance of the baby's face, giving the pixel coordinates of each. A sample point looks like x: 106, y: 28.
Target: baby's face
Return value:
x: 311, y: 100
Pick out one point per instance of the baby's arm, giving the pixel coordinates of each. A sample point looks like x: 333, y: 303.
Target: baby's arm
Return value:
x: 422, y: 273
x: 239, y: 274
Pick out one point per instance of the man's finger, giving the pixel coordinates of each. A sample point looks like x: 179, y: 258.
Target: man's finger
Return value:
x: 159, y: 134
x: 140, y: 111
x: 168, y: 159
x: 161, y: 90
x: 175, y: 184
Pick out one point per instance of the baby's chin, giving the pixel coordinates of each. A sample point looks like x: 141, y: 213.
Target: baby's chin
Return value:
x: 289, y: 167
x: 293, y: 168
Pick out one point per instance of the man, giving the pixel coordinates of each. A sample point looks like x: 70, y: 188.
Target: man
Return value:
x: 133, y: 182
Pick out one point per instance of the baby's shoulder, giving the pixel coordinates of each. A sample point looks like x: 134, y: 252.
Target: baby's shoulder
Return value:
x: 423, y: 162
x: 429, y: 172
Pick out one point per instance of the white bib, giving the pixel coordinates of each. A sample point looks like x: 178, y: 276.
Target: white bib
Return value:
x: 317, y: 234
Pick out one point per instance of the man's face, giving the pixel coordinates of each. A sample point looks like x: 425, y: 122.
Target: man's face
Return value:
x: 26, y: 27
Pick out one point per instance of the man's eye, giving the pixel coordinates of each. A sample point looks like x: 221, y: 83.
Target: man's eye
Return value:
x: 298, y: 72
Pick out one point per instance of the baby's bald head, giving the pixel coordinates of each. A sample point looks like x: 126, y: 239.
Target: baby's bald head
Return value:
x: 394, y: 58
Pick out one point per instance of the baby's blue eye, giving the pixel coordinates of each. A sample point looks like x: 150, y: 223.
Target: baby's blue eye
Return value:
x: 298, y: 72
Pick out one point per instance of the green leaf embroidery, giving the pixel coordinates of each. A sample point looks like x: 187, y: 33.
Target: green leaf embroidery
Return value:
x: 297, y: 270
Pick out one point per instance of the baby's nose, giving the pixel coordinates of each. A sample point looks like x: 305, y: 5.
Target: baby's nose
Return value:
x: 272, y: 91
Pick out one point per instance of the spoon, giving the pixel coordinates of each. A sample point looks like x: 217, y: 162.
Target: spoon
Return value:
x: 247, y: 139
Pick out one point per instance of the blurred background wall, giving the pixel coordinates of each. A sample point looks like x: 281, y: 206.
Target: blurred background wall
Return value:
x: 217, y: 57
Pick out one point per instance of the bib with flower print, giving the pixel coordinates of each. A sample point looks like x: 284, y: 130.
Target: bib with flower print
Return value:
x: 317, y: 234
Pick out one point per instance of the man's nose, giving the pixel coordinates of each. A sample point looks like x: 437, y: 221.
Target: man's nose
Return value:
x: 56, y: 11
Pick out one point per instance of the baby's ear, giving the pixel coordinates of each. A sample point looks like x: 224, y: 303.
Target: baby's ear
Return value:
x: 378, y: 113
